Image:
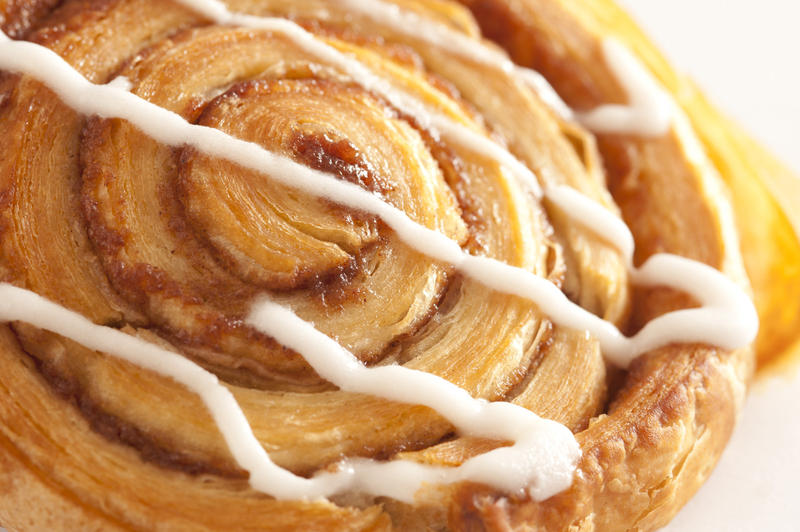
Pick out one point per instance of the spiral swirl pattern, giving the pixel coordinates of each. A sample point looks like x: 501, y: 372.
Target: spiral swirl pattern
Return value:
x: 174, y: 246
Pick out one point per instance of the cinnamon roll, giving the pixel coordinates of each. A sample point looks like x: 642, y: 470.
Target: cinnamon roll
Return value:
x: 370, y: 265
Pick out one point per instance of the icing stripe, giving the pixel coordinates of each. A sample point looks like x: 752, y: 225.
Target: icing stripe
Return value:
x: 171, y: 129
x: 17, y: 304
x: 361, y: 74
x: 547, y: 450
x: 542, y: 458
x: 541, y: 447
x: 438, y: 34
x: 595, y: 217
x: 649, y: 112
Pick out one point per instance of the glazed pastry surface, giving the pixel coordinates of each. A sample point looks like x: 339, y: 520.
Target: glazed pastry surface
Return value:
x: 368, y: 265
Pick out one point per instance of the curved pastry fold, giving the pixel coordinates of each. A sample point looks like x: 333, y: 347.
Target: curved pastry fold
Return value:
x: 175, y: 246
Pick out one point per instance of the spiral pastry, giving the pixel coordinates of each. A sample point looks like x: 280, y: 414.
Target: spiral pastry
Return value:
x: 350, y: 265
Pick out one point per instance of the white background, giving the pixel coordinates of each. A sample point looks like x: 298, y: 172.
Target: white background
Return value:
x: 746, y: 55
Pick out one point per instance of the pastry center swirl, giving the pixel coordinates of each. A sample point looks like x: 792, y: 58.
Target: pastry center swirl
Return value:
x: 209, y: 258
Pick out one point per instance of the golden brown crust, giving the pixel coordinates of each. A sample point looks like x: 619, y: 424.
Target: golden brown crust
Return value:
x: 17, y: 17
x: 173, y: 246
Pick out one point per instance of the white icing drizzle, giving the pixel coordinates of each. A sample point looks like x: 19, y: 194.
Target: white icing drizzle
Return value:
x: 171, y: 129
x: 17, y: 304
x: 361, y: 74
x: 121, y: 82
x: 430, y: 31
x: 546, y: 92
x: 594, y: 216
x: 726, y: 309
x: 438, y: 34
x: 541, y: 460
x: 544, y: 454
x: 649, y: 112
